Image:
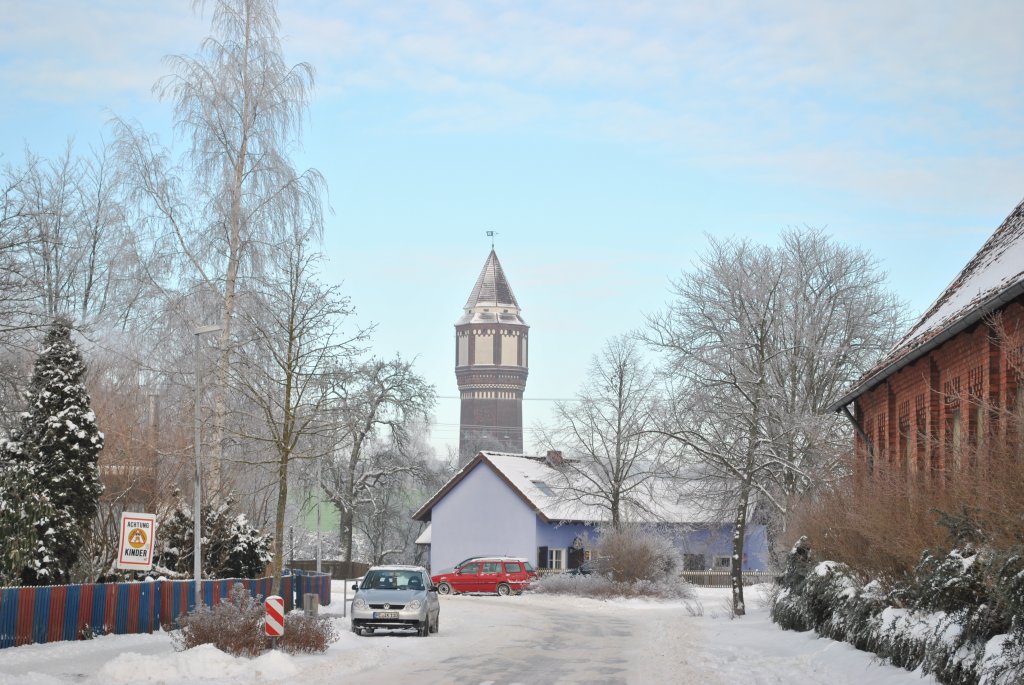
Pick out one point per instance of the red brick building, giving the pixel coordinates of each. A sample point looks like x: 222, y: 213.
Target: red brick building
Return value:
x: 946, y: 383
x: 491, y: 366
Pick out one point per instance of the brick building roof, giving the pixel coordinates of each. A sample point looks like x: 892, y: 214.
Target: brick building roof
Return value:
x: 993, y: 277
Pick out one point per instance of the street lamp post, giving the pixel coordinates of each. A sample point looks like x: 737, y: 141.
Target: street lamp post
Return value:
x: 197, y: 513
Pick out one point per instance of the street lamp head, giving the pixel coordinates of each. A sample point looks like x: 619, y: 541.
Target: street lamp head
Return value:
x: 206, y: 329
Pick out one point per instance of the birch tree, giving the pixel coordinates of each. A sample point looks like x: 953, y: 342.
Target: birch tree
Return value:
x: 758, y: 341
x: 617, y: 457
x: 235, y: 190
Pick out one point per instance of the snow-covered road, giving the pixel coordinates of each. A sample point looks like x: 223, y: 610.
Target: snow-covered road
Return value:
x: 493, y: 640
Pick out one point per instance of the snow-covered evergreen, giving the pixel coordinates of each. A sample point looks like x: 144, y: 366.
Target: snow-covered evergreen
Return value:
x: 55, y: 450
x: 23, y: 507
x: 960, y: 617
x: 232, y: 547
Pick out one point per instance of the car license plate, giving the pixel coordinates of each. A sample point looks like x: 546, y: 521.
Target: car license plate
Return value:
x: 385, y: 614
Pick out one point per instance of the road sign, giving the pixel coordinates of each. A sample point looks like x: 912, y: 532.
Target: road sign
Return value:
x: 136, y: 547
x: 274, y: 622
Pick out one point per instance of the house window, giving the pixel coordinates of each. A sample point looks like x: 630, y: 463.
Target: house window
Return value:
x: 723, y: 563
x: 555, y: 558
x: 693, y: 562
x: 956, y: 429
x: 979, y: 423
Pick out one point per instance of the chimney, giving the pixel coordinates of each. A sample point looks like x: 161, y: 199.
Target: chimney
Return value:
x: 555, y: 457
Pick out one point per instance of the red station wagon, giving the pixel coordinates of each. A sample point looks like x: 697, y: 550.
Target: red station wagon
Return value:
x: 501, y: 575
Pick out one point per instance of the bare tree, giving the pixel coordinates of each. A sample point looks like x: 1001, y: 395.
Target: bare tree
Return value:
x: 235, y: 191
x: 379, y: 407
x: 757, y: 342
x: 617, y: 456
x: 294, y: 355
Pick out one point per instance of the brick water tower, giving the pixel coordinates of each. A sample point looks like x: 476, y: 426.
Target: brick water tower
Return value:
x: 491, y: 365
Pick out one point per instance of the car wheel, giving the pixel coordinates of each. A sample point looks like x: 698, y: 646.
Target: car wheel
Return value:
x: 504, y: 590
x: 444, y: 589
x: 424, y: 629
x: 356, y: 630
x: 437, y: 623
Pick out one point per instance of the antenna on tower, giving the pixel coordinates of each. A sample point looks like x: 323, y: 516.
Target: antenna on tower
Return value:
x: 491, y: 234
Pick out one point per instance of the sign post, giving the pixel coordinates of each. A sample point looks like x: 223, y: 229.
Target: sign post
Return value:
x: 135, y: 550
x: 274, y: 622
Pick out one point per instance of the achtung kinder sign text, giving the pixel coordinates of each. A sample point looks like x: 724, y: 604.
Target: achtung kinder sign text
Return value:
x: 135, y: 550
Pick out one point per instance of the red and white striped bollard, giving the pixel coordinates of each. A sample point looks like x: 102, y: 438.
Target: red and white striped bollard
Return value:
x: 274, y: 621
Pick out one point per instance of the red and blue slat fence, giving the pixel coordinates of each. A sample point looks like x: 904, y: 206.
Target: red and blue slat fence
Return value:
x: 310, y: 581
x: 71, y: 612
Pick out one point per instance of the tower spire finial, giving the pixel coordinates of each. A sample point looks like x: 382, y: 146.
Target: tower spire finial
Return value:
x: 491, y: 234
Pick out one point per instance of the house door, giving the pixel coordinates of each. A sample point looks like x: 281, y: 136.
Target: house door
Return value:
x: 575, y: 557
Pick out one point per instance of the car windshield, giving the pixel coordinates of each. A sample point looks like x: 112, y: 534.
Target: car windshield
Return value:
x: 529, y: 566
x: 393, y: 579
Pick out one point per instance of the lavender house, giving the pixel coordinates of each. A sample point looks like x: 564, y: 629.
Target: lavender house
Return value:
x: 507, y: 504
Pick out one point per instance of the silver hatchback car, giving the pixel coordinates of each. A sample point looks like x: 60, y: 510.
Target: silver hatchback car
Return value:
x: 395, y: 597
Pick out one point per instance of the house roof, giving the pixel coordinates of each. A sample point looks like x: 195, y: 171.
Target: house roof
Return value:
x: 993, y: 277
x: 491, y: 292
x: 536, y: 482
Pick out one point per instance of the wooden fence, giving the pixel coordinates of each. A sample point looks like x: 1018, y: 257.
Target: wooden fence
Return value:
x: 724, y: 578
x: 339, y: 570
x: 71, y: 612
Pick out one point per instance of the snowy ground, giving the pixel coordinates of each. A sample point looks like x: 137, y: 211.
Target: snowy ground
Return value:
x: 492, y: 640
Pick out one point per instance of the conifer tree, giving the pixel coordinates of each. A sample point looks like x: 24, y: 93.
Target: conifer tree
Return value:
x: 22, y: 508
x: 60, y: 444
x: 232, y: 547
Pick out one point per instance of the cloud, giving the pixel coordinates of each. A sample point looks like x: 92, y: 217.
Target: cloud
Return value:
x: 876, y: 96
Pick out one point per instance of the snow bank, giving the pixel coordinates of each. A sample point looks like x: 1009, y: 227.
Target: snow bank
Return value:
x: 204, y: 662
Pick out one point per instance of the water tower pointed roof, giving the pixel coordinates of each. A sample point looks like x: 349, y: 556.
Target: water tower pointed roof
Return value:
x: 492, y: 300
x: 492, y: 288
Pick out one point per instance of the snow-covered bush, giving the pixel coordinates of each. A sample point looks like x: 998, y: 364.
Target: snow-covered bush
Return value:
x: 22, y: 508
x: 232, y: 548
x: 631, y: 561
x: 958, y: 617
x: 307, y: 634
x: 602, y: 586
x: 636, y: 553
x: 235, y: 626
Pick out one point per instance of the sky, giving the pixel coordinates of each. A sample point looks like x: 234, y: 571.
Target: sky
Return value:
x: 602, y: 141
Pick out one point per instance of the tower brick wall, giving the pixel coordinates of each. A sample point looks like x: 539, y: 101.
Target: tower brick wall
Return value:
x: 491, y: 366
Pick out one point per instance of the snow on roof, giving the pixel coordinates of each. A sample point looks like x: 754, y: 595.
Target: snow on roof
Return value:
x: 978, y: 289
x: 538, y: 483
x: 424, y: 538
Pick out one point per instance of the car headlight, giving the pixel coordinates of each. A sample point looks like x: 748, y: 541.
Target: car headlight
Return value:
x: 414, y: 604
x: 358, y: 603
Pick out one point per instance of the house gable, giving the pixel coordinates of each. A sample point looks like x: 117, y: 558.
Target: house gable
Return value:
x: 480, y: 514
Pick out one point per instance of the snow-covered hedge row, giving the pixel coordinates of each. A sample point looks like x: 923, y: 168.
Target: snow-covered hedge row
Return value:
x: 601, y: 585
x: 960, y: 618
